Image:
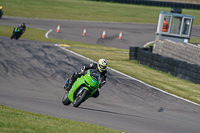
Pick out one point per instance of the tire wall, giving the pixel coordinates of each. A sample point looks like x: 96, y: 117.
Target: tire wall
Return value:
x: 157, y: 3
x: 177, y: 68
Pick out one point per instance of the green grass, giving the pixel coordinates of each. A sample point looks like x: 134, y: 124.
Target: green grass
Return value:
x: 87, y: 10
x: 12, y: 120
x: 185, y: 1
x: 18, y: 121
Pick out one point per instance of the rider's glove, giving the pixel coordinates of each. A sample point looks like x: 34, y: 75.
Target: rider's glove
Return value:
x: 83, y: 69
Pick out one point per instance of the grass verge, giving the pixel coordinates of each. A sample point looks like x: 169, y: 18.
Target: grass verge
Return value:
x: 18, y: 121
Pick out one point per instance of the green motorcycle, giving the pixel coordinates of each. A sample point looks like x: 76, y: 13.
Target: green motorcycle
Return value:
x: 17, y: 32
x: 83, y: 88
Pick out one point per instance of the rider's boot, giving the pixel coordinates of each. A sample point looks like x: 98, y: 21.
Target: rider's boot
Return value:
x: 73, y: 79
x: 66, y: 84
x: 71, y: 82
x: 69, y: 85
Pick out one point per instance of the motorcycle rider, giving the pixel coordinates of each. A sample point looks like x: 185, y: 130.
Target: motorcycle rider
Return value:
x: 100, y: 66
x: 21, y: 28
x: 1, y: 11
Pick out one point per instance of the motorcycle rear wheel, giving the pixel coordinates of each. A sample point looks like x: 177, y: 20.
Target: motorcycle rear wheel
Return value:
x: 81, y: 98
x: 66, y: 100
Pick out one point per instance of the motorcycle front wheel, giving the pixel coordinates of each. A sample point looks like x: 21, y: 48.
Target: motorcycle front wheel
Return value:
x: 66, y: 100
x: 81, y: 98
x: 13, y: 35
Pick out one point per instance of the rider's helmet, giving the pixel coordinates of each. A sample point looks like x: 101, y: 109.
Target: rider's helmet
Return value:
x: 102, y: 65
x: 22, y: 25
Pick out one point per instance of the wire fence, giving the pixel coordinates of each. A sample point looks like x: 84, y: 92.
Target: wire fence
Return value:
x: 157, y: 3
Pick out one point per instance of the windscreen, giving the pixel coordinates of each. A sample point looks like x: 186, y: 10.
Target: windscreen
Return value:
x: 94, y: 74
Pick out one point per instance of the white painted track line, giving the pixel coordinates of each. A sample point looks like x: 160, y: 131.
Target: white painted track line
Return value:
x: 131, y: 77
x: 46, y: 35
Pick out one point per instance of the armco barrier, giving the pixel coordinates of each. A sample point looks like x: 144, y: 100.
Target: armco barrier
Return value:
x: 157, y: 3
x: 177, y: 68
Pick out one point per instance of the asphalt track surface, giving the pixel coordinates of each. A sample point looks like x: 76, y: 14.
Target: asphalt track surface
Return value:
x: 32, y: 75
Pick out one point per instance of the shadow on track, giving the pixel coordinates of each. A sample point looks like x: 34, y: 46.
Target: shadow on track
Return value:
x: 109, y: 112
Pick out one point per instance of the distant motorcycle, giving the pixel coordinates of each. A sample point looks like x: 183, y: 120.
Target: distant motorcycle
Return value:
x: 17, y: 32
x: 1, y: 11
x: 83, y: 88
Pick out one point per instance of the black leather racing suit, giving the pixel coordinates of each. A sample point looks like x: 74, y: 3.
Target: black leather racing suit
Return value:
x: 83, y: 69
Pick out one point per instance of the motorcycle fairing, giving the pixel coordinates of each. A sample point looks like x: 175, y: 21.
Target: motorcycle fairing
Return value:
x: 88, y: 82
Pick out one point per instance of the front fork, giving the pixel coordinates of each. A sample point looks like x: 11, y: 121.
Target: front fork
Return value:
x: 79, y: 92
